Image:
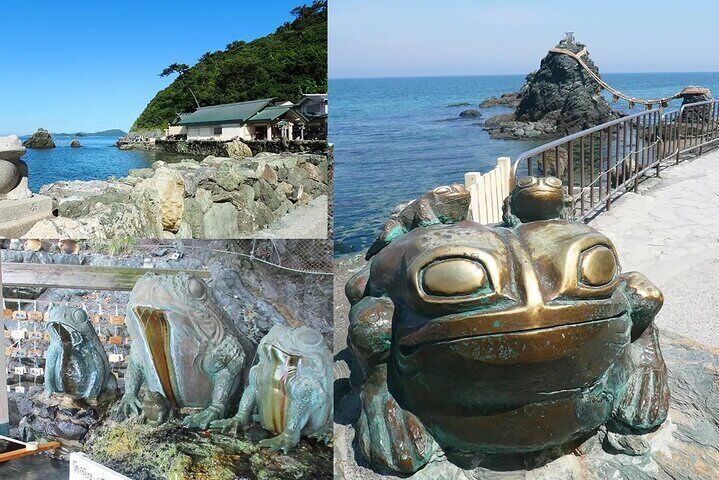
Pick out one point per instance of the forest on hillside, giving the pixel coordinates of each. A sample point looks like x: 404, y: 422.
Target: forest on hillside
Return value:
x: 285, y: 64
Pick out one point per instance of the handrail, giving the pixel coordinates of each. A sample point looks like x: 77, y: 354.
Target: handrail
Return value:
x: 599, y: 163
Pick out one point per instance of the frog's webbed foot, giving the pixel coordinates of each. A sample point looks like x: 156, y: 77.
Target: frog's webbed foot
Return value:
x: 130, y: 406
x: 284, y: 442
x: 324, y: 434
x: 645, y: 402
x: 228, y: 426
x: 389, y: 436
x: 203, y: 419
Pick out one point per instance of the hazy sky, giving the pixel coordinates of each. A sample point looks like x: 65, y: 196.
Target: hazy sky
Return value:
x: 91, y: 65
x: 385, y: 38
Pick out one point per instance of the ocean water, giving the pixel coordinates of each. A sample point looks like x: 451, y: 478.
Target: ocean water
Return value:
x: 97, y: 159
x: 397, y: 138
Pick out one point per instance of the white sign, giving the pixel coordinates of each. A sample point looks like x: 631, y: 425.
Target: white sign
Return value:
x: 82, y: 468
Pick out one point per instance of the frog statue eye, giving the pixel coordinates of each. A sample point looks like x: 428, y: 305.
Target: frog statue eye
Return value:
x: 196, y: 288
x: 597, y: 266
x: 454, y: 277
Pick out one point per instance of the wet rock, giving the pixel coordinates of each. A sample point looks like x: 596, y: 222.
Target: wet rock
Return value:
x: 75, y: 144
x: 505, y: 100
x: 470, y: 113
x: 40, y: 139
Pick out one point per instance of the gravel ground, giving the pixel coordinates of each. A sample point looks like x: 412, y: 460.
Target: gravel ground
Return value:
x: 309, y: 221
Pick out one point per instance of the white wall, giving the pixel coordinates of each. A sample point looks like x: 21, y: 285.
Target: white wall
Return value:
x: 229, y: 131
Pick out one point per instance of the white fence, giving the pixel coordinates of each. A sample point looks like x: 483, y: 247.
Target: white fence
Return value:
x: 489, y: 191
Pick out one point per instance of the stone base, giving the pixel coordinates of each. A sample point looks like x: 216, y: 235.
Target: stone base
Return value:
x: 17, y: 216
x: 683, y: 448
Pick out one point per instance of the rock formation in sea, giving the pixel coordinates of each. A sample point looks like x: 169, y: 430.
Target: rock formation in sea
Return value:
x: 40, y: 139
x: 510, y: 99
x: 470, y: 113
x: 75, y: 144
x: 218, y: 197
x: 558, y: 99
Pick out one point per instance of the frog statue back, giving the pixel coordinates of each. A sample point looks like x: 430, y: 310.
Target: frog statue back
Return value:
x: 505, y: 339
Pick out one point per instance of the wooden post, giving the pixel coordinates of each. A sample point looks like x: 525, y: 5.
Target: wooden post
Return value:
x: 4, y: 417
x: 470, y: 182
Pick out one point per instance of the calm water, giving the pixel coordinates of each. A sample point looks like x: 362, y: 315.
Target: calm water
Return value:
x: 398, y: 138
x: 97, y: 159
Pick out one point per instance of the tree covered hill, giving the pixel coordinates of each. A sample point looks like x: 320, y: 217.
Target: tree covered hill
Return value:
x: 285, y: 64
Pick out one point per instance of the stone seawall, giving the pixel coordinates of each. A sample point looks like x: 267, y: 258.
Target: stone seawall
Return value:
x: 236, y: 148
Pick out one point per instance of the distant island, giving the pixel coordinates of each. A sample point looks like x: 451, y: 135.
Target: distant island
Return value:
x: 285, y: 64
x: 115, y: 132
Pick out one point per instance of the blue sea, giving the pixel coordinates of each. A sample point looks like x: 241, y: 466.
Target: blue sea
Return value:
x: 396, y: 138
x: 97, y: 159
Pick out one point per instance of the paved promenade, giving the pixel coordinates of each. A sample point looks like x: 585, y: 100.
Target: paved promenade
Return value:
x: 670, y: 232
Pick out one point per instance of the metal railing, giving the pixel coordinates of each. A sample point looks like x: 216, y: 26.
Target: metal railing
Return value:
x: 599, y: 164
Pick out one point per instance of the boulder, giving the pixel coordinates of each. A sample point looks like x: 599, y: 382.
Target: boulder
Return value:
x: 162, y: 198
x: 75, y: 144
x: 13, y: 171
x: 40, y: 139
x: 505, y: 100
x: 470, y: 113
x: 238, y: 149
x: 220, y: 222
x: 695, y: 94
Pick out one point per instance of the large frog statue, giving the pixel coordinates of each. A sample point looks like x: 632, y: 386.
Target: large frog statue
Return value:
x: 290, y: 387
x: 183, y: 346
x: 76, y: 364
x: 507, y: 339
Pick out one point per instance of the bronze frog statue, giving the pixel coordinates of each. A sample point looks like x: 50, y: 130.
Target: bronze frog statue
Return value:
x: 185, y: 347
x: 505, y: 339
x: 289, y: 388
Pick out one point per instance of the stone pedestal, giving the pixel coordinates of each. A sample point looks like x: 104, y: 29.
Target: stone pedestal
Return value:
x: 18, y: 216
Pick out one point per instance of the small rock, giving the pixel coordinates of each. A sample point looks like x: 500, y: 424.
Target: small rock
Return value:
x: 75, y: 144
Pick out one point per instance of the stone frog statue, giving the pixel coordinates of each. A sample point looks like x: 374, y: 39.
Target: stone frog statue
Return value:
x: 507, y: 339
x: 184, y: 347
x: 290, y: 388
x: 76, y: 363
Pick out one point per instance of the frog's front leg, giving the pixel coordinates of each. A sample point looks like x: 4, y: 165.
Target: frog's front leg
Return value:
x: 389, y: 436
x: 223, y: 385
x: 304, y: 396
x: 130, y: 404
x: 644, y: 403
x: 244, y: 412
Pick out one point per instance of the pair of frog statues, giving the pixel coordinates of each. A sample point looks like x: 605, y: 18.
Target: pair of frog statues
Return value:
x: 186, y: 352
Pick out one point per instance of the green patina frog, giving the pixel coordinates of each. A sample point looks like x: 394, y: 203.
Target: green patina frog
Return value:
x: 505, y: 339
x: 185, y: 347
x: 290, y: 388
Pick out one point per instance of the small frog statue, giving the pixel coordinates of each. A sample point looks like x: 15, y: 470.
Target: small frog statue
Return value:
x: 76, y: 363
x: 290, y: 388
x: 498, y: 340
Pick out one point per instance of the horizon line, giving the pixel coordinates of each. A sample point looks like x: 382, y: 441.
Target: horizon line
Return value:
x: 500, y: 75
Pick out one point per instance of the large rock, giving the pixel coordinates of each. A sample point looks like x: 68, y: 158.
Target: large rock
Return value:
x: 238, y: 149
x: 684, y: 448
x: 220, y: 222
x: 560, y: 94
x: 695, y: 94
x: 13, y: 171
x: 505, y: 100
x: 40, y: 139
x: 162, y: 197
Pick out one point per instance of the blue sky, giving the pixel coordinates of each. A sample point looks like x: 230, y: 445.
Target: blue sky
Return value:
x: 381, y: 38
x: 92, y: 65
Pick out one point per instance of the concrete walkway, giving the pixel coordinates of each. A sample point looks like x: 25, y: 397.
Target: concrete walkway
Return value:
x: 670, y: 232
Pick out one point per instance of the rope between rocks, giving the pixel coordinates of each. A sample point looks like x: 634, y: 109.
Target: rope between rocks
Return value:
x: 616, y: 93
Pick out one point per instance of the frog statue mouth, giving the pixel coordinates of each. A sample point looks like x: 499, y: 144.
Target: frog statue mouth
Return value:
x: 156, y: 329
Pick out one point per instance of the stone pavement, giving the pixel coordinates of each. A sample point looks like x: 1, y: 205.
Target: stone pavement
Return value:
x: 669, y: 231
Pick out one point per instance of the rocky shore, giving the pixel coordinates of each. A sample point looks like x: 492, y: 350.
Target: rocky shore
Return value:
x: 218, y: 197
x: 558, y: 99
